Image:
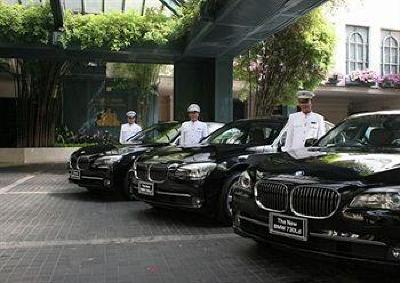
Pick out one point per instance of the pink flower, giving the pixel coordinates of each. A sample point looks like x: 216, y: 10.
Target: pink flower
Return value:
x: 365, y: 76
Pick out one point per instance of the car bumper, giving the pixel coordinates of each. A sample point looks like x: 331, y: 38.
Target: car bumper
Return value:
x: 101, y: 179
x: 184, y: 195
x: 253, y: 222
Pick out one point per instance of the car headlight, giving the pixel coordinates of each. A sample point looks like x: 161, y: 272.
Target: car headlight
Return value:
x: 245, y: 182
x: 377, y: 200
x: 106, y: 161
x: 195, y: 171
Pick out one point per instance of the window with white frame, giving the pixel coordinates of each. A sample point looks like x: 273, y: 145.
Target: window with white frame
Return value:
x: 390, y: 52
x: 356, y: 48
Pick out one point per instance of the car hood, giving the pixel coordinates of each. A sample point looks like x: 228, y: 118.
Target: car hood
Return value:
x: 107, y: 150
x: 94, y: 149
x: 202, y: 153
x: 127, y: 150
x: 333, y: 164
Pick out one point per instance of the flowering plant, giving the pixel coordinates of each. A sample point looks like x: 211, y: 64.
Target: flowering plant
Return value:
x: 365, y: 76
x: 392, y: 80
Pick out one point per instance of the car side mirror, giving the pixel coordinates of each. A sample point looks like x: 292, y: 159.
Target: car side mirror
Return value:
x: 177, y: 141
x: 310, y: 142
x: 281, y: 142
x: 279, y: 147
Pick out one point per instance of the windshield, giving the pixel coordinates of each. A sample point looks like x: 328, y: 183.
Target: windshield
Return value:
x: 246, y: 133
x: 374, y: 131
x: 159, y: 133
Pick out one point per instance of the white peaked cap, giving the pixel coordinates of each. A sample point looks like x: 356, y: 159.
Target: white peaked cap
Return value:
x: 131, y: 114
x: 193, y: 108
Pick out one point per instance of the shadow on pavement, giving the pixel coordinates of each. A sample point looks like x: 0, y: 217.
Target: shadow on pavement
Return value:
x: 314, y: 267
x: 179, y: 217
x: 86, y: 196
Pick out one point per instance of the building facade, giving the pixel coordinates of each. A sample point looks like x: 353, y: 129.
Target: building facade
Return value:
x: 367, y: 57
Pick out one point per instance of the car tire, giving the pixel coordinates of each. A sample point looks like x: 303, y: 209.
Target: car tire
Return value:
x: 127, y: 190
x: 224, y: 213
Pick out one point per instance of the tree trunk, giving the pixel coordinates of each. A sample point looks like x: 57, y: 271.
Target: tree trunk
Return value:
x: 38, y: 97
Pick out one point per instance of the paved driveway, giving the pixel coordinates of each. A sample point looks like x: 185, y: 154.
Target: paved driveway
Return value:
x: 53, y: 231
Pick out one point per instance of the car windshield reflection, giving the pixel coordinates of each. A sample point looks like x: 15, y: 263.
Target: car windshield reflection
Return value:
x: 157, y: 134
x: 365, y: 133
x: 255, y: 133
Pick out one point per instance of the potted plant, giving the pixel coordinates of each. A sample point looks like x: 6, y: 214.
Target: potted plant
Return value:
x: 366, y: 78
x: 390, y: 81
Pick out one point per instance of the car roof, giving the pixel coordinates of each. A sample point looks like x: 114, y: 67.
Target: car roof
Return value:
x: 278, y: 119
x: 215, y: 123
x: 386, y: 112
x: 167, y: 122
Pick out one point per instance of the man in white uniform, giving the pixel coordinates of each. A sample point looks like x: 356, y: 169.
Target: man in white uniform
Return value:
x: 305, y: 124
x: 194, y: 130
x: 129, y: 129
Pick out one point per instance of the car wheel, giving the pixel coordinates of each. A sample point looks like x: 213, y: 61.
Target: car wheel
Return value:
x: 127, y: 189
x: 224, y: 214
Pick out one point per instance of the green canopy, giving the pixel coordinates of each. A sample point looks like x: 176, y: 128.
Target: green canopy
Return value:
x: 105, y: 6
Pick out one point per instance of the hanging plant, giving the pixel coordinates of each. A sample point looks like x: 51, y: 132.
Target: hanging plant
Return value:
x: 112, y: 31
x: 21, y: 24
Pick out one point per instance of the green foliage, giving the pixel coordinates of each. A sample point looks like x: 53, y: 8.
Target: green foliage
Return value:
x: 297, y: 57
x: 116, y: 31
x: 32, y: 24
x: 112, y: 31
x: 189, y: 14
x: 144, y: 77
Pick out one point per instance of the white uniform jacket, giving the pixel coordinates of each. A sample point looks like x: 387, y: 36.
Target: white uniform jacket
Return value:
x: 127, y: 131
x: 302, y: 127
x: 193, y: 132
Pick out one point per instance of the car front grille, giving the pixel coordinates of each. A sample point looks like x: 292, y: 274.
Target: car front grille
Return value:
x: 152, y: 172
x: 314, y: 201
x: 158, y: 172
x: 141, y: 171
x: 272, y: 196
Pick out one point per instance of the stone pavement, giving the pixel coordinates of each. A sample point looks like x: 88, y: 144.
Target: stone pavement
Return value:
x: 53, y: 231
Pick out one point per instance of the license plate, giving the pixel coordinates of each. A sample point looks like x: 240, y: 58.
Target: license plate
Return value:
x: 75, y: 174
x: 146, y: 188
x: 288, y: 226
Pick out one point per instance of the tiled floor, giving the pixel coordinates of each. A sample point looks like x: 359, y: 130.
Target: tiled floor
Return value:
x: 53, y: 231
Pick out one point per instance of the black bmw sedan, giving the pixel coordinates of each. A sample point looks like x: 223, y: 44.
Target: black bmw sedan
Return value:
x: 105, y: 167
x: 201, y: 178
x: 341, y: 197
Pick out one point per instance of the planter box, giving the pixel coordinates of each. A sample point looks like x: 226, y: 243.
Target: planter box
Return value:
x: 36, y: 155
x: 389, y: 85
x: 358, y: 84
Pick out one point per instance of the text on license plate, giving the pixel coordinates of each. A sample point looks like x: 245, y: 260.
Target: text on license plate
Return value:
x: 146, y: 188
x: 288, y: 226
x: 75, y: 174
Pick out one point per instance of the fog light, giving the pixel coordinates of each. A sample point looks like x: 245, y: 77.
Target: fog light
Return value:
x: 107, y: 182
x: 396, y: 253
x: 196, y: 201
